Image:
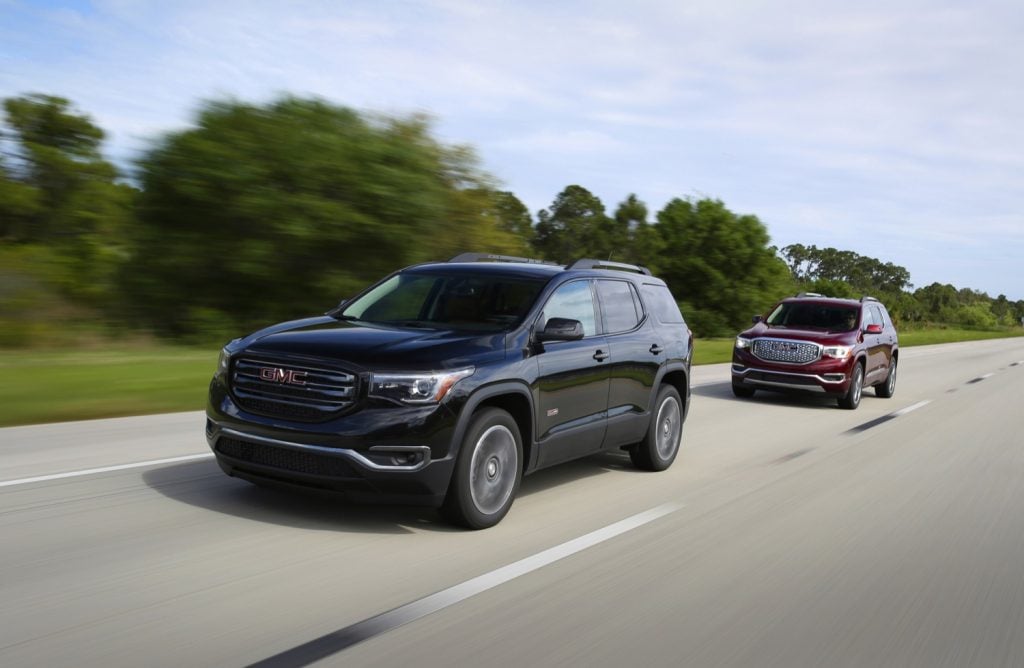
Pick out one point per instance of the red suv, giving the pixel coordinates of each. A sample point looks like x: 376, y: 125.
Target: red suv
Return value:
x: 818, y: 344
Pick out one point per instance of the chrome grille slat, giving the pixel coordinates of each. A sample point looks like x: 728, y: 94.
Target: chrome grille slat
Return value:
x: 786, y: 351
x: 323, y: 390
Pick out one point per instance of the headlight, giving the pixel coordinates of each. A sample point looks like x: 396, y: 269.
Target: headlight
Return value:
x: 415, y: 388
x: 742, y: 342
x: 838, y: 352
x: 223, y: 361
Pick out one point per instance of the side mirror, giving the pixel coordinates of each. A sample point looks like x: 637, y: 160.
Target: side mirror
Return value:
x: 873, y: 328
x: 756, y: 319
x: 561, y: 329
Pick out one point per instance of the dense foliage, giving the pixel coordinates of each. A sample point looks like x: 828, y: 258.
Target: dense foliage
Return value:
x: 264, y: 212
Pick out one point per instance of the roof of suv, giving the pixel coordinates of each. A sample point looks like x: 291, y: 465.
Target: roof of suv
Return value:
x: 814, y: 297
x: 528, y: 266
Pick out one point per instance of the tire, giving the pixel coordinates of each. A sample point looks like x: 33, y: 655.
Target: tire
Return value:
x: 887, y: 388
x: 661, y: 443
x: 487, y: 472
x: 742, y: 391
x: 851, y: 399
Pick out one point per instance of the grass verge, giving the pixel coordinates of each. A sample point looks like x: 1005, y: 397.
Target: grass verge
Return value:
x: 49, y: 386
x: 46, y: 386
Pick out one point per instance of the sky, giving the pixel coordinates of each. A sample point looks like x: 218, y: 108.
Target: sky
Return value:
x: 893, y: 129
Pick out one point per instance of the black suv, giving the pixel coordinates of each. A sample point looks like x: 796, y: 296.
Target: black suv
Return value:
x: 819, y: 344
x: 444, y: 383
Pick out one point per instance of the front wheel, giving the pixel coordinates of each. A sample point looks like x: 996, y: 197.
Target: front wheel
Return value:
x: 487, y: 472
x: 888, y: 388
x: 661, y: 444
x: 851, y: 399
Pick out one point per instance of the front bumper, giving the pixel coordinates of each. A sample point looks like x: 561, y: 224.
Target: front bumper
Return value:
x: 825, y: 376
x: 391, y: 455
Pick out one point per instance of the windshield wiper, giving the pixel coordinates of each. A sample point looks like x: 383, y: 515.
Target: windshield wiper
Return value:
x: 416, y: 324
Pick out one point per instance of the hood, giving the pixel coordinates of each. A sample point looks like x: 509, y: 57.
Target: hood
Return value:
x: 375, y: 346
x: 816, y: 335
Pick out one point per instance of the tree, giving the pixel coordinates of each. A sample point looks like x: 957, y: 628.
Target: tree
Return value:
x: 57, y: 190
x: 511, y: 215
x: 861, y: 273
x: 574, y: 226
x: 642, y: 244
x: 719, y: 264
x: 261, y: 213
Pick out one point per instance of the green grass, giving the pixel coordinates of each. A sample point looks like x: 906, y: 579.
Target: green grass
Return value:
x: 50, y: 386
x: 47, y: 386
x: 713, y: 351
x: 924, y: 337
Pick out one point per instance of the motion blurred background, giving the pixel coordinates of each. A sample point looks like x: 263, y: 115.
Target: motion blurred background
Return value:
x: 240, y: 205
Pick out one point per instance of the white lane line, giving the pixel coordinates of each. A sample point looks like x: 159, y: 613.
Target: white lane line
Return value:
x: 912, y: 407
x: 105, y: 469
x: 331, y: 643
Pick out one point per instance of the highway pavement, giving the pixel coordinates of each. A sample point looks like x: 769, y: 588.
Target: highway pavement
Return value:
x: 787, y: 533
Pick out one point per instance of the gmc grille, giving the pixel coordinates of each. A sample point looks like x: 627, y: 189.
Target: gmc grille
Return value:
x: 780, y: 350
x: 296, y: 391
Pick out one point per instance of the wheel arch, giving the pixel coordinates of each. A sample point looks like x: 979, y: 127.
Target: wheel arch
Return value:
x: 677, y: 377
x: 512, y: 397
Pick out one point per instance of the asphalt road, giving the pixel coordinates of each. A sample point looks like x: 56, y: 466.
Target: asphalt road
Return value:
x: 788, y: 533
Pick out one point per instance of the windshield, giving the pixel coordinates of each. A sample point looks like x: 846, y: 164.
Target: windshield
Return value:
x: 471, y: 302
x: 810, y: 315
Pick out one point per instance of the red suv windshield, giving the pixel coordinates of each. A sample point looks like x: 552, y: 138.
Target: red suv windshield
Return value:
x: 812, y: 315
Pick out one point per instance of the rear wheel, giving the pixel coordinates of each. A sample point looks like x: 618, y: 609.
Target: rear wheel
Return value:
x: 487, y: 472
x: 851, y: 399
x: 661, y: 444
x: 888, y: 388
x: 742, y: 391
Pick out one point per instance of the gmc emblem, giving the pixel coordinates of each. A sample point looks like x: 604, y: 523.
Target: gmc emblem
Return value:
x: 283, y: 376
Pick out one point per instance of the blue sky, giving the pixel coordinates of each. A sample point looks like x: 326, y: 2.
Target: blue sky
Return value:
x: 892, y: 129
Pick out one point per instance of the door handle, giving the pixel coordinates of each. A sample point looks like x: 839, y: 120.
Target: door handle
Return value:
x: 601, y: 356
x: 656, y: 349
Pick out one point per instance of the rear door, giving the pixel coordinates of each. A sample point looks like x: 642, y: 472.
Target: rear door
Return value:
x: 637, y: 352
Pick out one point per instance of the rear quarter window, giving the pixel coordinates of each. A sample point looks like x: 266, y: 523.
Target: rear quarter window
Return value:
x: 660, y: 302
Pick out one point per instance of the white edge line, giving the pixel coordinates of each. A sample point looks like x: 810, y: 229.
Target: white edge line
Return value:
x: 104, y: 469
x: 481, y: 583
x: 912, y: 407
x: 987, y: 375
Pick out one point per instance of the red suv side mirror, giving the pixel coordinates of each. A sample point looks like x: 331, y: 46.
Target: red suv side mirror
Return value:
x: 873, y: 328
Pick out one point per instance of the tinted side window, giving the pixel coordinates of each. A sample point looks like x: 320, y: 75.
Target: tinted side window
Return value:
x: 876, y: 316
x: 886, y: 318
x: 659, y: 300
x: 575, y: 301
x: 618, y: 306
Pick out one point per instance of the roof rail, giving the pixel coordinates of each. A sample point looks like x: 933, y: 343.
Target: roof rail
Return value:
x: 809, y: 294
x: 488, y: 257
x: 588, y: 263
x: 867, y: 298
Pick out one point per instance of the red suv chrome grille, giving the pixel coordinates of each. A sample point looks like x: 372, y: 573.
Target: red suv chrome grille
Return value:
x: 782, y: 350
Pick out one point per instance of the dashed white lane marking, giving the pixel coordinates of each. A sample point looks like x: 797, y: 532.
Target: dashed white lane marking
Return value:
x: 912, y: 407
x: 105, y: 469
x: 331, y: 643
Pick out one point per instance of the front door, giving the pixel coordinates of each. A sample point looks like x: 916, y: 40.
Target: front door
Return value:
x: 571, y: 394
